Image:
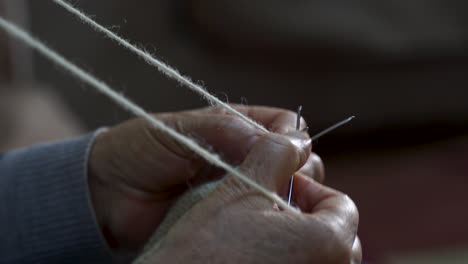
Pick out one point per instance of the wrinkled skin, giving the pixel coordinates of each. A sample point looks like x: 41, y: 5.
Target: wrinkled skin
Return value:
x: 136, y: 173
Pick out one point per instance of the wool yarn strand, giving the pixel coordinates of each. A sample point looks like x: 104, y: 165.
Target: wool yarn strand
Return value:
x: 128, y: 105
x: 153, y: 61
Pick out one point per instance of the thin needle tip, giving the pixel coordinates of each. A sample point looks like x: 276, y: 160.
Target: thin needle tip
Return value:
x: 298, y: 127
x: 298, y: 118
x: 346, y: 120
x: 335, y: 126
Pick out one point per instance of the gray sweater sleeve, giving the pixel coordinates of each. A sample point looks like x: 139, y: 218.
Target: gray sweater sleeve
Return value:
x: 45, y: 210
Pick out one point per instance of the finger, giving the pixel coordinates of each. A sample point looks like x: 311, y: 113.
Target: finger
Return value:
x: 313, y: 168
x: 274, y: 158
x: 157, y: 158
x: 277, y: 120
x: 330, y: 216
x: 336, y: 211
x: 227, y: 136
x: 357, y: 252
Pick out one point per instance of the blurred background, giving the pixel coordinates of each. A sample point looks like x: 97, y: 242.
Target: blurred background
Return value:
x: 400, y: 66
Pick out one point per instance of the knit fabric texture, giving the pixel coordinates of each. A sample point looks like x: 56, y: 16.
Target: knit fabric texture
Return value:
x: 45, y: 210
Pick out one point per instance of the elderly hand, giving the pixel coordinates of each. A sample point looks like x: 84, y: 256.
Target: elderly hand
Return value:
x: 236, y: 224
x: 136, y: 172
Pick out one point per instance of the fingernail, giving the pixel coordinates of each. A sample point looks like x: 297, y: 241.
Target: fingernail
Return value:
x: 298, y: 135
x: 302, y: 141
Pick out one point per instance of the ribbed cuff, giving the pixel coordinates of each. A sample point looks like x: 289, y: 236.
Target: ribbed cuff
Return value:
x: 55, y: 220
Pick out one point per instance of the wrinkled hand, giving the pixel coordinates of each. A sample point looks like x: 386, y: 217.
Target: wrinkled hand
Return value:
x: 236, y: 224
x: 136, y: 172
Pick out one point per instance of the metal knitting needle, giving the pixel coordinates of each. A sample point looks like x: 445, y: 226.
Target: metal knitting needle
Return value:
x: 335, y: 126
x: 298, y: 126
x: 317, y: 136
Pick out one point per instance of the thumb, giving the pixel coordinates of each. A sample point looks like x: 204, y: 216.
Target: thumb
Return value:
x: 274, y: 158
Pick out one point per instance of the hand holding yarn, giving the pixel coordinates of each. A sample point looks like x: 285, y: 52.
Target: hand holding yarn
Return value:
x: 136, y: 171
x: 234, y: 224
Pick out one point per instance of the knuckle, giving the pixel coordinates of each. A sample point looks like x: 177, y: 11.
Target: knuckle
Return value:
x: 233, y: 120
x: 216, y: 109
x: 235, y: 124
x: 352, y: 213
x: 332, y: 248
x: 337, y: 249
x: 338, y: 233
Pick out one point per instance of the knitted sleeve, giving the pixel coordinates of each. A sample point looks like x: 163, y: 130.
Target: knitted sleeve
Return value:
x: 45, y: 210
